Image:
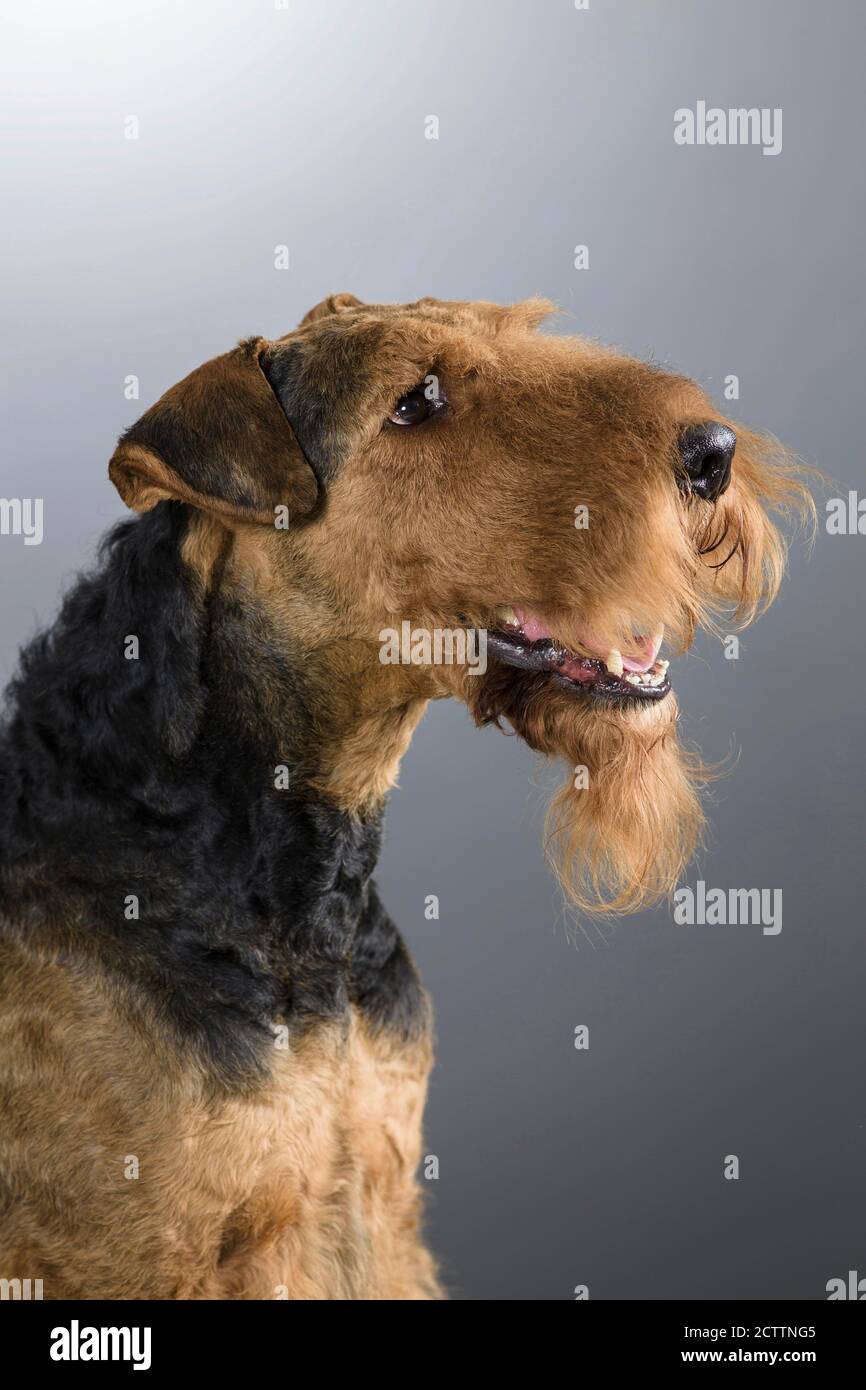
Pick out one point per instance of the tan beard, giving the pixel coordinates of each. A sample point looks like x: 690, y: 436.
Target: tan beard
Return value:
x: 621, y: 830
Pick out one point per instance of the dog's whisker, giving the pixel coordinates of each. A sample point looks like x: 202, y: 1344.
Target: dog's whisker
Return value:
x: 728, y: 558
x: 708, y: 549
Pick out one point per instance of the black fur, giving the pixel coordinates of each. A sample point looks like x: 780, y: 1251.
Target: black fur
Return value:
x: 141, y: 777
x: 319, y: 385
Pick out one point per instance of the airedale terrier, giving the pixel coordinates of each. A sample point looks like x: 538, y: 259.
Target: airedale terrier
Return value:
x: 215, y: 1046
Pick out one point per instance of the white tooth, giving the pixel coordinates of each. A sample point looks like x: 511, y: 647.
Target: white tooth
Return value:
x: 507, y: 616
x: 633, y: 678
x: 613, y: 662
x: 663, y: 665
x: 658, y: 636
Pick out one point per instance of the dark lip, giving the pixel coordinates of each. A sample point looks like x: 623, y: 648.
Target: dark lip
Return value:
x: 514, y: 650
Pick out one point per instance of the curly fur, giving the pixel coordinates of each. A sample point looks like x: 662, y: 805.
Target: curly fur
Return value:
x: 229, y: 780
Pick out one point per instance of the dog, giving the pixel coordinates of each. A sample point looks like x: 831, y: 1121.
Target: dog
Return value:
x: 215, y: 1046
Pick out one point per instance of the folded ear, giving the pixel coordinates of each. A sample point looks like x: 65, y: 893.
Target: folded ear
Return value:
x: 219, y: 441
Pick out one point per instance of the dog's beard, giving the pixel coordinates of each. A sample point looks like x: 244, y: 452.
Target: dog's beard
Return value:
x: 621, y: 833
x: 624, y: 841
x: 628, y: 818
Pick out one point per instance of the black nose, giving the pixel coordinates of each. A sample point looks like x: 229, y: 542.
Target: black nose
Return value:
x: 706, y: 452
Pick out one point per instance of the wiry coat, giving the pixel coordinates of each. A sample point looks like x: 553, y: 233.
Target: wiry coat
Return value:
x: 161, y: 1135
x: 214, y: 1047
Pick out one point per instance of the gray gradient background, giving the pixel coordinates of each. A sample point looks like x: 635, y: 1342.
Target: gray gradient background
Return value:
x: 306, y: 127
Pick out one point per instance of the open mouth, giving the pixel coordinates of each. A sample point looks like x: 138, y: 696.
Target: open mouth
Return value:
x: 520, y: 639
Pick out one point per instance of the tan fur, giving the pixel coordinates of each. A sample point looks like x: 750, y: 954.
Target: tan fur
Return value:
x: 205, y: 548
x: 478, y: 511
x: 304, y: 1186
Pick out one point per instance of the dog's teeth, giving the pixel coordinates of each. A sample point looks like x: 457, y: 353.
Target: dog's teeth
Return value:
x: 663, y: 666
x: 507, y: 617
x: 613, y: 662
x: 633, y: 678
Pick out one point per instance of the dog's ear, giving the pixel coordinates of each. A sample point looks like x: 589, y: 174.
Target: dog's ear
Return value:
x: 219, y: 441
x: 334, y: 304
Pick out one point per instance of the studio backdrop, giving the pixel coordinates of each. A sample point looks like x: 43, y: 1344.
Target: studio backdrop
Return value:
x: 642, y: 1108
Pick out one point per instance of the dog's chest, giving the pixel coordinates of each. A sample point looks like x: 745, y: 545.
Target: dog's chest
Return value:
x: 327, y: 1204
x: 299, y: 1184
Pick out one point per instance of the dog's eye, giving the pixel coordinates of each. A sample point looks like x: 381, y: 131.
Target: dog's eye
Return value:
x: 418, y: 405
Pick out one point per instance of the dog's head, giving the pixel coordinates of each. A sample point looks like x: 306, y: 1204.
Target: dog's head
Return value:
x: 437, y: 469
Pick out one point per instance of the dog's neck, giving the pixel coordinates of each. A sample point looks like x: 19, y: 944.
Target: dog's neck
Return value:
x: 177, y: 760
x: 294, y: 669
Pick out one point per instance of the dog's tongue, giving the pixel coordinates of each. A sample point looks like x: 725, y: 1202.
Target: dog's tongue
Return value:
x: 533, y: 628
x: 639, y: 657
x: 646, y: 649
